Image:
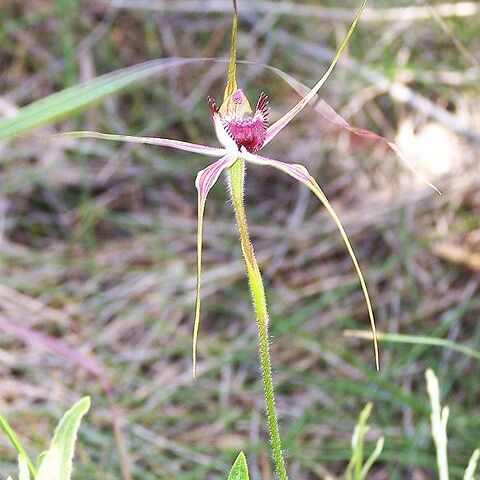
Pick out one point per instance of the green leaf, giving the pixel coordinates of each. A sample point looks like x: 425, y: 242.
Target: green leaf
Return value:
x: 239, y: 470
x: 57, y: 463
x: 59, y: 105
x: 16, y: 444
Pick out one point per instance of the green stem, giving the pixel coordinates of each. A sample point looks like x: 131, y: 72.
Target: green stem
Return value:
x: 236, y: 181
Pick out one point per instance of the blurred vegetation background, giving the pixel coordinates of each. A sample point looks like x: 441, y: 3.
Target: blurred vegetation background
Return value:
x: 98, y: 239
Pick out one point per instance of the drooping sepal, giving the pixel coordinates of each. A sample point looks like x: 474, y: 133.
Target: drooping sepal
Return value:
x: 300, y: 173
x: 204, y: 182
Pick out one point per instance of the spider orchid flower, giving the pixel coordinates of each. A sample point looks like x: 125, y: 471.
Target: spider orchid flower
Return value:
x: 242, y: 133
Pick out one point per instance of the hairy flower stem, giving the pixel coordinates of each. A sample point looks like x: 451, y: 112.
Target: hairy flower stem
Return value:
x: 236, y: 181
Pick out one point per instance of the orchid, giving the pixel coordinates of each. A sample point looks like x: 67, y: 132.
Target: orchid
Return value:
x: 243, y: 132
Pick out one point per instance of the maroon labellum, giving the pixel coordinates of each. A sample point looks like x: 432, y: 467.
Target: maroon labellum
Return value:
x: 245, y: 130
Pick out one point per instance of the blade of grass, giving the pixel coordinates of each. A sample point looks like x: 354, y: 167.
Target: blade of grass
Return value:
x: 64, y: 11
x: 16, y: 444
x: 472, y: 465
x: 439, y: 419
x: 59, y: 105
x: 415, y: 340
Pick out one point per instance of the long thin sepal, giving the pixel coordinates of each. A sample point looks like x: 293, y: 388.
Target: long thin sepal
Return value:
x: 161, y: 142
x: 232, y: 63
x: 206, y: 179
x: 300, y: 173
x: 331, y: 116
x: 280, y: 124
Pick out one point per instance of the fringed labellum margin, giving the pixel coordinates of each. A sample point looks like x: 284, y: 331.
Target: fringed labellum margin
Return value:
x: 235, y: 120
